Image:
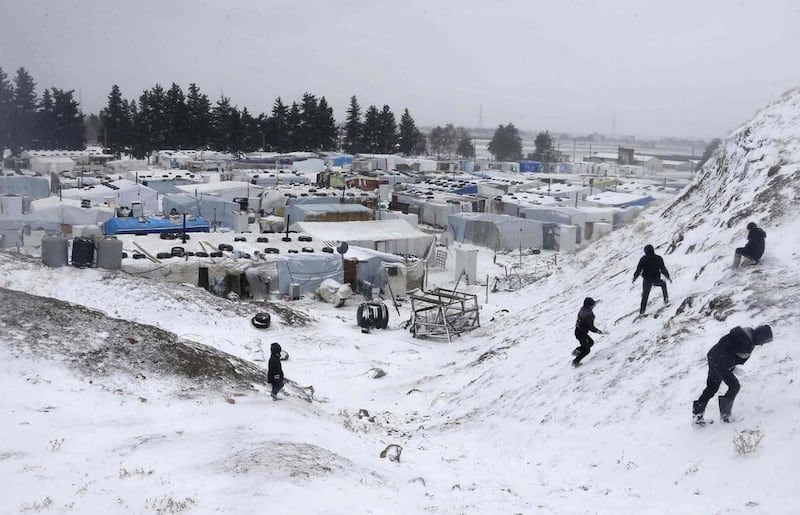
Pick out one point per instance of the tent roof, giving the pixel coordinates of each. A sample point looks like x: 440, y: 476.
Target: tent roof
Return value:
x: 379, y: 230
x: 212, y: 187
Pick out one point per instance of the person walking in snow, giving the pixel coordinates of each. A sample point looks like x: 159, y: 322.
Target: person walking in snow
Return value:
x: 732, y: 349
x: 275, y: 370
x: 650, y: 267
x: 583, y: 325
x: 754, y: 248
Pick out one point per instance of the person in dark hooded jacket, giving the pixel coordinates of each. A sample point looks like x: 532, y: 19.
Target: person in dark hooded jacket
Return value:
x: 650, y: 267
x: 732, y: 349
x: 275, y: 370
x: 754, y: 249
x: 583, y: 325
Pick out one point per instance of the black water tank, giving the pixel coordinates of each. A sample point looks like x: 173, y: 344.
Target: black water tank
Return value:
x: 82, y: 252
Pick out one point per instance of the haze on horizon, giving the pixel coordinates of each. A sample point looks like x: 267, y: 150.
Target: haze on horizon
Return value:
x: 643, y: 68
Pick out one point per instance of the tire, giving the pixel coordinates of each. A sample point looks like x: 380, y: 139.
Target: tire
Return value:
x: 271, y: 250
x: 328, y: 250
x: 261, y: 321
x: 225, y: 247
x: 240, y: 238
x: 177, y: 251
x: 201, y: 254
x: 308, y: 249
x: 384, y: 316
x: 138, y: 256
x: 124, y: 255
x: 360, y: 315
x: 215, y: 254
x: 163, y: 255
x: 286, y: 239
x: 293, y: 251
x: 304, y: 238
x: 262, y: 239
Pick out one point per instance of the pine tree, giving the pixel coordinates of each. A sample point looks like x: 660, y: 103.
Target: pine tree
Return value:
x: 409, y: 134
x: 70, y: 128
x: 226, y: 126
x: 23, y: 112
x: 326, y: 126
x: 353, y: 128
x: 198, y: 119
x: 45, y: 130
x: 251, y: 134
x: 6, y: 103
x: 506, y: 144
x: 372, y: 129
x: 94, y: 129
x: 388, y: 131
x: 278, y: 127
x: 116, y: 122
x: 307, y: 136
x: 177, y: 119
x: 293, y: 122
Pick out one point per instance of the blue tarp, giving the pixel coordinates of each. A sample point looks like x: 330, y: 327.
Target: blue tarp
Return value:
x: 152, y: 224
x: 530, y: 166
x: 471, y: 189
x: 342, y: 160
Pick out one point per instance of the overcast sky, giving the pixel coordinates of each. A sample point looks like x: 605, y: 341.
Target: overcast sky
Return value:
x: 641, y: 67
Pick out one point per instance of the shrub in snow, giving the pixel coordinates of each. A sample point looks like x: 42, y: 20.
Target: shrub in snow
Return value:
x: 747, y: 441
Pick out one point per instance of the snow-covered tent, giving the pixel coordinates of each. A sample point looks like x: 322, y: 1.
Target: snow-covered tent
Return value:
x: 12, y: 228
x: 47, y: 164
x: 500, y: 232
x: 392, y: 236
x: 216, y: 210
x: 618, y: 199
x: 35, y: 187
x: 227, y: 190
x: 69, y: 211
x: 121, y: 193
x: 326, y: 212
x: 555, y: 214
x: 306, y: 270
x: 369, y: 264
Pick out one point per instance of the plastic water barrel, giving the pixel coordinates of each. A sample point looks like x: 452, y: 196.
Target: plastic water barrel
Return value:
x: 109, y: 253
x: 55, y: 250
x: 82, y: 252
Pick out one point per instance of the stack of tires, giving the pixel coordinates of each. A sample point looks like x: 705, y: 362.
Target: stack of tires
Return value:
x: 372, y: 315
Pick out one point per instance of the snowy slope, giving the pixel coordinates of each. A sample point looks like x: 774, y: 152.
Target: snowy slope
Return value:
x: 496, y: 422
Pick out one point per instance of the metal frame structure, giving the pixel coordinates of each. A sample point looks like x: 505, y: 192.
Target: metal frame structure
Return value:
x: 443, y: 313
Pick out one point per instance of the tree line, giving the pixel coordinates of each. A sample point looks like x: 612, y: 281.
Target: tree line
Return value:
x: 173, y: 119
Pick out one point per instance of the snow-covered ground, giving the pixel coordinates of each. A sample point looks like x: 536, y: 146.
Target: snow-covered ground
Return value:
x: 498, y: 421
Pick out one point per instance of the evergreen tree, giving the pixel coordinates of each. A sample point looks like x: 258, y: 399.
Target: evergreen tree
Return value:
x: 387, y: 138
x: 117, y: 123
x: 251, y: 133
x: 408, y: 133
x: 353, y: 128
x: 45, y: 130
x: 151, y: 122
x: 444, y: 140
x: 226, y: 126
x: 130, y: 139
x: 70, y: 129
x: 506, y: 144
x: 544, y: 150
x: 465, y: 147
x: 23, y: 112
x: 370, y: 141
x: 293, y: 123
x: 6, y: 103
x: 177, y: 119
x: 326, y: 126
x: 198, y: 119
x: 306, y: 135
x: 278, y: 127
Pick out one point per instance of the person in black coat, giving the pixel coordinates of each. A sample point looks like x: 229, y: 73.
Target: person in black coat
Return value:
x: 583, y: 325
x: 732, y: 349
x: 275, y: 370
x: 650, y: 267
x: 754, y: 248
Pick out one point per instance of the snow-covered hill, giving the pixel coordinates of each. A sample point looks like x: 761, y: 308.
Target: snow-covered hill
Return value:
x: 496, y: 422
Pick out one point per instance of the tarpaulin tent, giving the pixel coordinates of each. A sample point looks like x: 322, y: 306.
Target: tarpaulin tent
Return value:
x: 214, y: 209
x: 122, y: 192
x: 69, y: 211
x: 391, y: 236
x: 36, y: 187
x: 327, y: 212
x: 499, y: 232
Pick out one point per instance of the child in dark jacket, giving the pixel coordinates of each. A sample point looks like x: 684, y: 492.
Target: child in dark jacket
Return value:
x: 583, y: 325
x: 275, y: 370
x: 732, y: 349
x: 754, y: 248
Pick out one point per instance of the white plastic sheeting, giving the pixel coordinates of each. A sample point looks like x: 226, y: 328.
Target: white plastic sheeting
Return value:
x: 391, y: 236
x: 125, y: 194
x: 69, y: 211
x: 213, y: 209
x: 499, y: 232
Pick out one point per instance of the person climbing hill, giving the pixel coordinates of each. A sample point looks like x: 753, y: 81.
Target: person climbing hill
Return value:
x: 583, y: 325
x: 650, y: 267
x: 754, y: 249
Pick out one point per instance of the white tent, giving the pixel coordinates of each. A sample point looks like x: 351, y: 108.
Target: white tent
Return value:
x: 392, y: 236
x: 121, y: 193
x: 499, y: 232
x: 228, y: 190
x: 69, y: 211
